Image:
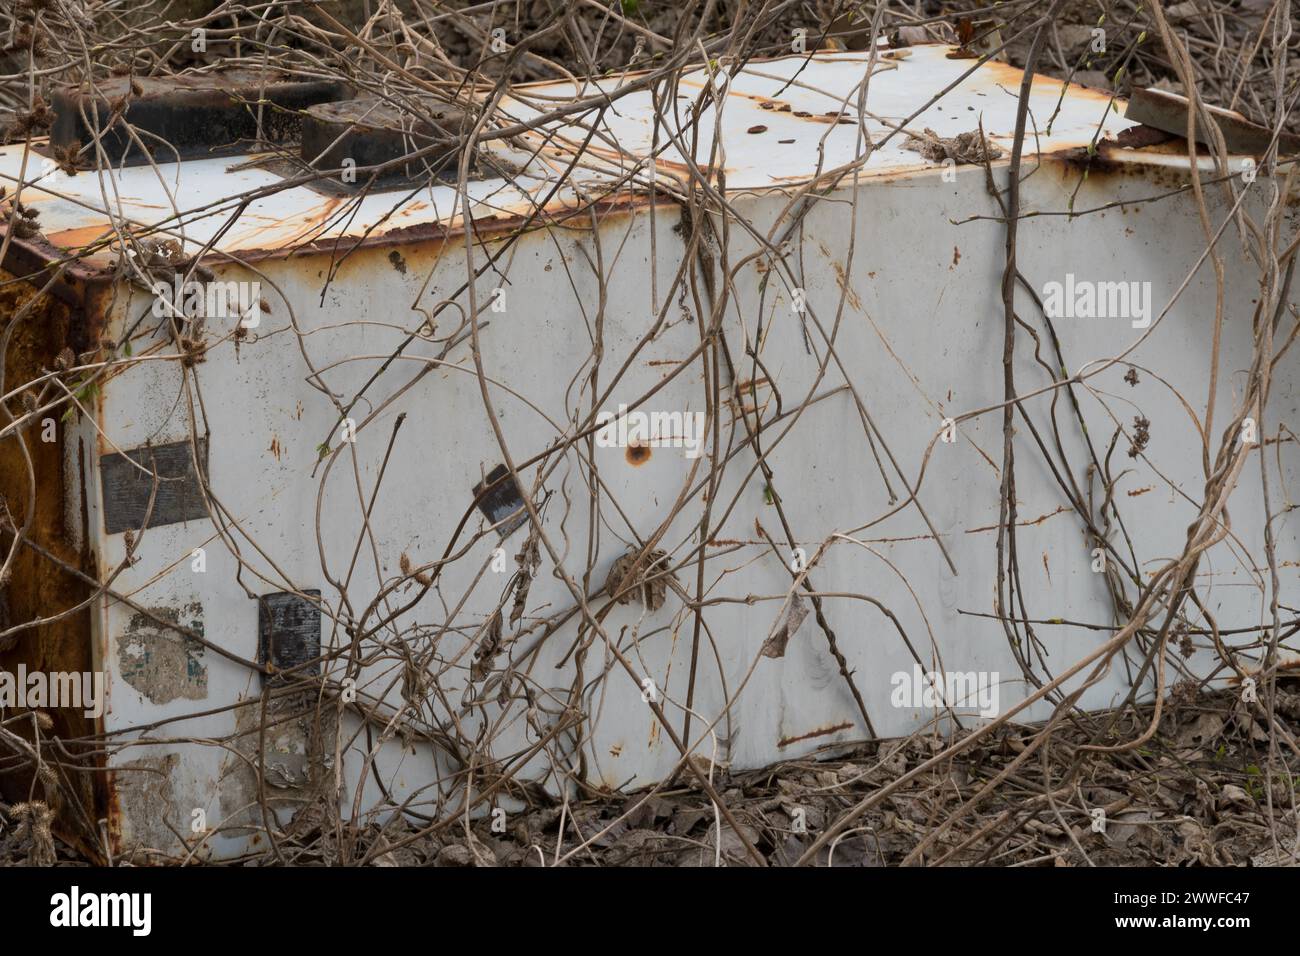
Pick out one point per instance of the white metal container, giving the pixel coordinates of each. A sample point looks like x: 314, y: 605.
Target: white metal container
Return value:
x: 900, y: 262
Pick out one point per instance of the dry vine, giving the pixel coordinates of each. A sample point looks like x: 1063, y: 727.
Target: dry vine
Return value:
x: 1189, y: 773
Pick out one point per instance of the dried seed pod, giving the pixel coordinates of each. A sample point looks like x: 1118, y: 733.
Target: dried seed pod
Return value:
x: 626, y: 580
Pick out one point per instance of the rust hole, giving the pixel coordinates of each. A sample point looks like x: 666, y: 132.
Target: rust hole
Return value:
x: 638, y: 454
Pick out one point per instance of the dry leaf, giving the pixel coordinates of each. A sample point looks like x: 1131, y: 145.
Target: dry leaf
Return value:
x: 795, y: 613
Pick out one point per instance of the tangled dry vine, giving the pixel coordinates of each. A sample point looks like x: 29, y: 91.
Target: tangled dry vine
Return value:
x: 468, y: 700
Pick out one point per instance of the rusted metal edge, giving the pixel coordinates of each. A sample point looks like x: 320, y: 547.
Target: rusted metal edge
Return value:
x: 35, y: 259
x: 1168, y: 112
x: 51, y: 559
x: 494, y: 226
x: 487, y: 227
x: 1164, y: 162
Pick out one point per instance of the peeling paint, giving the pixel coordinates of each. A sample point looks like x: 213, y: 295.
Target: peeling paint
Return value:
x: 144, y: 793
x: 295, y: 767
x: 161, y: 663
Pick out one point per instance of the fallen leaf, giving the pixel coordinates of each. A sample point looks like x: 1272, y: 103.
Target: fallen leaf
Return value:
x: 774, y: 646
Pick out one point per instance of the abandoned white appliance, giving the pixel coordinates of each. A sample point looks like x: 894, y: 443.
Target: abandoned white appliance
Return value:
x: 321, y: 462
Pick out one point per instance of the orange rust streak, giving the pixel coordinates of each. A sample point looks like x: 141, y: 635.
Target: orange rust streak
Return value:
x: 834, y: 728
x: 81, y: 236
x: 1006, y: 75
x: 438, y: 233
x: 1021, y: 524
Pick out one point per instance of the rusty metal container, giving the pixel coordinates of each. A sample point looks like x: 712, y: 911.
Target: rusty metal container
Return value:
x: 333, y: 515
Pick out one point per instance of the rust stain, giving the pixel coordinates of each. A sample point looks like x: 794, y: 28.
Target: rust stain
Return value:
x: 842, y: 278
x: 996, y: 74
x: 820, y: 732
x: 741, y: 409
x: 81, y: 236
x: 143, y: 792
x: 619, y: 156
x: 310, y: 221
x: 1290, y: 665
x: 1021, y: 524
x: 1113, y: 159
x: 637, y: 454
x: 38, y: 586
x: 83, y: 285
x: 439, y: 234
x: 1140, y: 491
